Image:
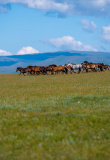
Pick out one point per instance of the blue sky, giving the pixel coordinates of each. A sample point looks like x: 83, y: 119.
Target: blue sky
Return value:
x: 38, y: 26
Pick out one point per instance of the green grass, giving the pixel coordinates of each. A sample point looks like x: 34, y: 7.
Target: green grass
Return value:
x: 55, y: 117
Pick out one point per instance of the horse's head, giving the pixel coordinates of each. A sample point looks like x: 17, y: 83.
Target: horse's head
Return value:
x: 18, y: 69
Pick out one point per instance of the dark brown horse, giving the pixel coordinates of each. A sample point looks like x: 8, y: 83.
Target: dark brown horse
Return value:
x: 101, y: 66
x: 22, y: 70
x: 46, y: 70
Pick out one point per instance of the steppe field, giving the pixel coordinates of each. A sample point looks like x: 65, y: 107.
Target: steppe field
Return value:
x: 55, y: 117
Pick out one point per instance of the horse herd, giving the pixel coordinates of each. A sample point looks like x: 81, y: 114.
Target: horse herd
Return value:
x: 70, y: 67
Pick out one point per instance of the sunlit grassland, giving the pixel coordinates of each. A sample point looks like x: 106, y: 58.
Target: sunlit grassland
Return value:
x: 55, y: 116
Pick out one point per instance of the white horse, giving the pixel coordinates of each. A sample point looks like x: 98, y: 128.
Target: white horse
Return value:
x: 76, y: 67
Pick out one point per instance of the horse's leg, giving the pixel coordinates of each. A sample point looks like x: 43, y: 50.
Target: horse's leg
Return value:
x: 70, y: 70
x: 23, y: 74
x: 73, y: 70
x: 84, y: 68
x: 79, y: 70
x: 66, y: 71
x: 20, y: 74
x: 95, y: 69
x: 101, y: 69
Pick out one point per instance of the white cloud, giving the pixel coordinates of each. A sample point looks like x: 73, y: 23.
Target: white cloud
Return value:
x: 27, y: 50
x: 106, y: 33
x: 88, y: 25
x: 4, y: 53
x: 69, y: 43
x: 44, y: 5
x: 67, y: 7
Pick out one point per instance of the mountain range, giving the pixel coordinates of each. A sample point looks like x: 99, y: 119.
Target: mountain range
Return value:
x: 8, y: 64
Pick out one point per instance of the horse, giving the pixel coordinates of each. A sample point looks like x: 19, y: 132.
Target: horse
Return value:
x: 45, y: 69
x: 76, y: 67
x: 92, y: 66
x: 52, y: 65
x: 102, y: 67
x: 35, y: 70
x: 59, y: 69
x: 106, y: 66
x: 48, y: 69
x: 22, y: 70
x: 29, y: 69
x: 68, y: 68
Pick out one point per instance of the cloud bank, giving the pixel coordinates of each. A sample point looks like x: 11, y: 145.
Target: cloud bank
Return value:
x: 67, y: 7
x: 27, y: 50
x: 43, y: 5
x: 22, y: 51
x: 69, y: 43
x: 4, y: 53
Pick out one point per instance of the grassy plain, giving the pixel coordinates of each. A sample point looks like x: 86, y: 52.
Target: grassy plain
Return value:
x: 55, y: 117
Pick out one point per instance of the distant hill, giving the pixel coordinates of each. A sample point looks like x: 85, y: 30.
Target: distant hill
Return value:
x: 9, y: 64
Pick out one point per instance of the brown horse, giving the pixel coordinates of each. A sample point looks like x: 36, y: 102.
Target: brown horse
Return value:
x: 29, y: 69
x: 35, y: 70
x: 106, y: 67
x: 101, y: 66
x: 58, y: 69
x: 22, y: 70
x: 52, y: 65
x: 92, y: 66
